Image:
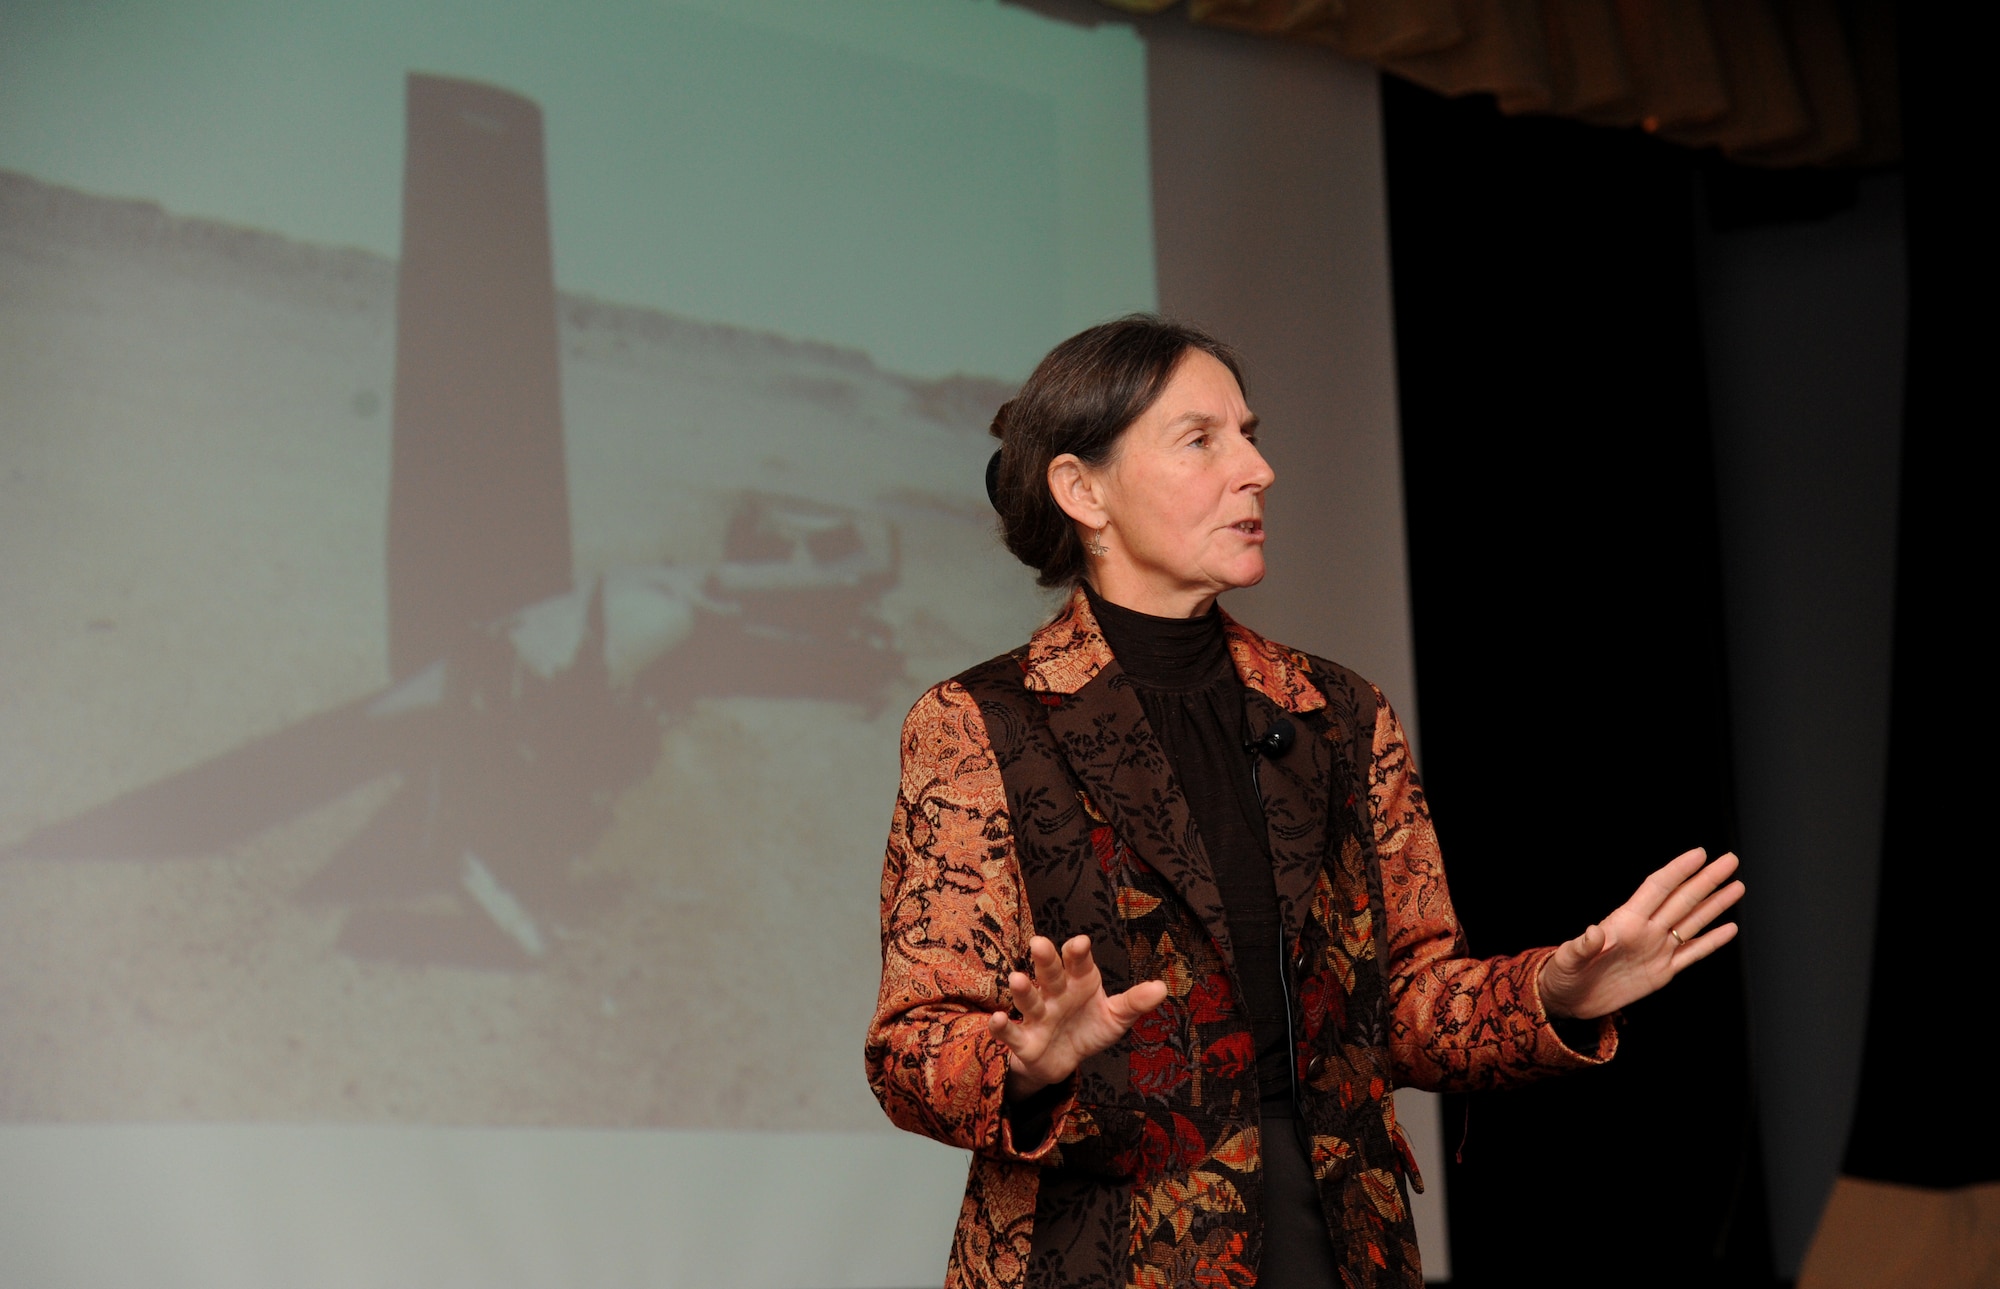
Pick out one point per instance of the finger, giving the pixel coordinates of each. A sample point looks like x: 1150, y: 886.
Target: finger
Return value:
x: 1076, y: 960
x: 1695, y: 950
x: 1028, y: 998
x: 1061, y: 973
x: 1022, y: 1045
x: 1006, y: 1032
x: 1694, y: 890
x: 1661, y: 883
x: 1135, y: 1002
x: 1571, y: 955
x: 1046, y: 962
x: 1709, y: 910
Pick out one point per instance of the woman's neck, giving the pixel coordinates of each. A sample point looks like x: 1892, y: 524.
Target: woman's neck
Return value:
x: 1145, y: 595
x: 1161, y: 652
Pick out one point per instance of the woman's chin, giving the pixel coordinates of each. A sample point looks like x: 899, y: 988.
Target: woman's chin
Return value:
x: 1246, y: 572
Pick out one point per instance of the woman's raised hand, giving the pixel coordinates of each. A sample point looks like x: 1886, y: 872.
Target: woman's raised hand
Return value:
x: 1646, y: 942
x: 1065, y: 1014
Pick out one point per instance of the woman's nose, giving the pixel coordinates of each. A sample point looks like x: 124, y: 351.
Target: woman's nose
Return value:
x: 1258, y: 474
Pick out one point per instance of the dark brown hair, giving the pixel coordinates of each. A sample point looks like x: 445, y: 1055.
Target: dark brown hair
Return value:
x: 1081, y: 399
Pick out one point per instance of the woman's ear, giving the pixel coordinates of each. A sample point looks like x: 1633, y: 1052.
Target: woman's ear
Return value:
x: 1077, y: 488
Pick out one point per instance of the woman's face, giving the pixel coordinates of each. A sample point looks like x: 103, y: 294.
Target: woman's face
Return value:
x: 1180, y: 504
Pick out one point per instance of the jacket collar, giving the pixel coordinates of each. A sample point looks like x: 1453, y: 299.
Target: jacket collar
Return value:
x: 1070, y: 651
x: 1102, y: 729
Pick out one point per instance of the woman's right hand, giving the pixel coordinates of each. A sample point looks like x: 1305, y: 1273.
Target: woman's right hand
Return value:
x: 1065, y: 1015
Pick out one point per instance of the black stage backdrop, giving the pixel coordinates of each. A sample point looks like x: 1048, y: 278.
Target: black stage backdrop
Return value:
x: 1926, y: 1115
x: 1567, y: 609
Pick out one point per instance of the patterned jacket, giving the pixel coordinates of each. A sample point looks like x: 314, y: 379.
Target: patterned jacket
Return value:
x: 1036, y: 800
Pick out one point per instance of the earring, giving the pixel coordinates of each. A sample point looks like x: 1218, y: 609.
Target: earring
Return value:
x: 1095, y: 544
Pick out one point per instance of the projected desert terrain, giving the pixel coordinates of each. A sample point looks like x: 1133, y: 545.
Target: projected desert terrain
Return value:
x: 195, y: 478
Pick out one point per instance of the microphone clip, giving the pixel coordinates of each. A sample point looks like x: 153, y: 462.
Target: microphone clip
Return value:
x: 1275, y: 741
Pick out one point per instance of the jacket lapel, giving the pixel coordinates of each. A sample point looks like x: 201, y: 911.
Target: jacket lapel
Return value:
x: 1105, y: 737
x: 1113, y: 750
x: 1297, y: 788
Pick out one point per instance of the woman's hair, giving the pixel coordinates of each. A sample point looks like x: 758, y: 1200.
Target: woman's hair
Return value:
x: 1080, y: 399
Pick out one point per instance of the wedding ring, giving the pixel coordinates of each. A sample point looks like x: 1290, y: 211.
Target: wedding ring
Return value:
x: 1678, y: 942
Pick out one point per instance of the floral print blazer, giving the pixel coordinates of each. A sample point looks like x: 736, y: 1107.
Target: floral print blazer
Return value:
x: 1036, y: 800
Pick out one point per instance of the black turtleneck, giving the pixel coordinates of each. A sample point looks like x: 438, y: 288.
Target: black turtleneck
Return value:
x: 1188, y: 687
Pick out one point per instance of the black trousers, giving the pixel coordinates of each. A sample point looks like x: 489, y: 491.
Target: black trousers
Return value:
x: 1298, y: 1253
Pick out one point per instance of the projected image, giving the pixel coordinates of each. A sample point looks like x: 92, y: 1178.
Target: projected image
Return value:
x: 431, y: 696
x: 522, y: 706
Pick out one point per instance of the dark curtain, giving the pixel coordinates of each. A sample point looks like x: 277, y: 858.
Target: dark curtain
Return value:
x: 1925, y: 1115
x: 1776, y: 83
x: 1567, y: 604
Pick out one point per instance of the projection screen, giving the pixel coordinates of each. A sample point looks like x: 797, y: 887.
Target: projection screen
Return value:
x: 479, y: 486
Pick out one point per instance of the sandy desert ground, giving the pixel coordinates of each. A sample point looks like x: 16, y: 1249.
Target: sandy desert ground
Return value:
x: 194, y: 470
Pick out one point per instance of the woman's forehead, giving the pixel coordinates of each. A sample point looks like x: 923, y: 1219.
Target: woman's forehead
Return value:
x: 1201, y: 392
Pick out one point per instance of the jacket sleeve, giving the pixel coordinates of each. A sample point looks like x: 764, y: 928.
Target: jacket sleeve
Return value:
x: 1457, y: 1023
x: 954, y: 922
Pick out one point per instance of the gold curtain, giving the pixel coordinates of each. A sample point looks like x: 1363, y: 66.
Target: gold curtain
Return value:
x: 1768, y: 82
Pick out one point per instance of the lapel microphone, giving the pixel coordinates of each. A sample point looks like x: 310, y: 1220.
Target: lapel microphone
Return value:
x: 1275, y: 741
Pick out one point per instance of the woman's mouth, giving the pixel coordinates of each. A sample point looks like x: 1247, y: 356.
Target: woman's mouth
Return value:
x: 1252, y: 528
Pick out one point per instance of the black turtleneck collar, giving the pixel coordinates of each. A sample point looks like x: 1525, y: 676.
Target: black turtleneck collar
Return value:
x: 1163, y: 653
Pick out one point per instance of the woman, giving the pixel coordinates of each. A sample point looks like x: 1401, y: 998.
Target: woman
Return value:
x: 1229, y: 843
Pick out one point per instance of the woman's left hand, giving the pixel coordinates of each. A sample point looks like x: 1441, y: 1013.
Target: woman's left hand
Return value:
x: 1646, y: 942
